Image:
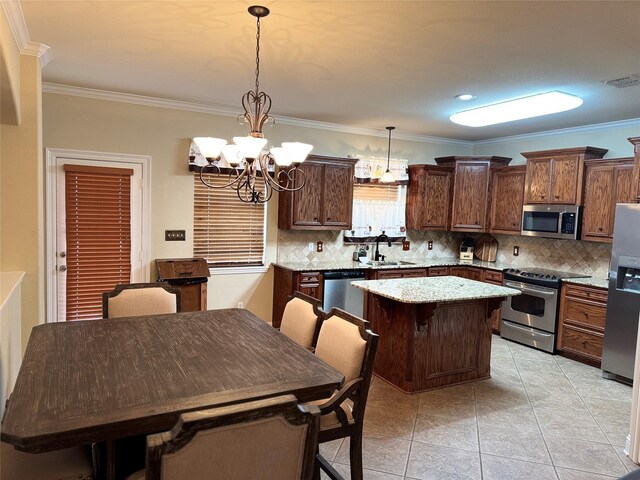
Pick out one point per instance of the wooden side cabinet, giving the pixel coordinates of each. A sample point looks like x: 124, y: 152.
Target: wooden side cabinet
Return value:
x: 507, y: 190
x: 607, y: 182
x: 555, y: 176
x: 285, y: 282
x: 325, y: 202
x: 583, y: 311
x: 428, y: 197
x: 471, y: 178
x: 636, y: 166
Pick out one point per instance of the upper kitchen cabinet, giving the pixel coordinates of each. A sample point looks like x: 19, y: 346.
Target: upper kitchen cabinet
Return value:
x: 325, y: 201
x: 555, y: 176
x: 607, y: 182
x: 507, y: 190
x: 636, y: 166
x: 428, y: 197
x: 471, y: 176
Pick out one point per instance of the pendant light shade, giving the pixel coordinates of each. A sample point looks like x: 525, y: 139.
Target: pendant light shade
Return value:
x: 388, y: 176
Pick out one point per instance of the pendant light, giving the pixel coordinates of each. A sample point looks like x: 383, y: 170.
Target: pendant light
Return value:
x: 388, y: 176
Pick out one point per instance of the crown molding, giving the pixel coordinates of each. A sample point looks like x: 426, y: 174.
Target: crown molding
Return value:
x: 15, y: 18
x: 233, y: 112
x: 633, y: 122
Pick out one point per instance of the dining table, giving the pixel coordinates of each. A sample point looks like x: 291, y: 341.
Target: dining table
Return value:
x: 84, y: 382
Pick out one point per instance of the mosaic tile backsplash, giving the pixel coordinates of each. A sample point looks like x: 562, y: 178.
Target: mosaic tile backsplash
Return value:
x: 590, y: 258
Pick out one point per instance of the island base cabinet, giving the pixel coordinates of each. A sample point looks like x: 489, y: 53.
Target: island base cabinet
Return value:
x: 428, y: 346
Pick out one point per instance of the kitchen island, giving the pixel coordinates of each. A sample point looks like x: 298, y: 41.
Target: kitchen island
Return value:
x: 434, y: 331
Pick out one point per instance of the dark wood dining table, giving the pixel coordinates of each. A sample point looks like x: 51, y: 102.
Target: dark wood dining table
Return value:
x: 101, y: 380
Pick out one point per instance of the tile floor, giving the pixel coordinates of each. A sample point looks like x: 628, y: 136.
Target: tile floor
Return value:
x: 539, y: 417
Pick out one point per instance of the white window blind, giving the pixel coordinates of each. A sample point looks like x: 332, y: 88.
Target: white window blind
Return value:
x: 98, y: 223
x: 226, y: 231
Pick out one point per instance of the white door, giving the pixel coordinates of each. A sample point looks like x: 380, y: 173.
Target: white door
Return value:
x: 58, y: 249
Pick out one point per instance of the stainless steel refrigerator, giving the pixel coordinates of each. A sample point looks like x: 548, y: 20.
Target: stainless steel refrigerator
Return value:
x: 623, y: 304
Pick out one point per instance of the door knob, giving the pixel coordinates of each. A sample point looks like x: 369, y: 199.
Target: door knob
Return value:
x: 63, y: 268
x: 63, y: 254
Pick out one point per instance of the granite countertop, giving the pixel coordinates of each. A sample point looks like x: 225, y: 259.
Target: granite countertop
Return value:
x: 590, y: 281
x: 433, y: 289
x: 351, y: 265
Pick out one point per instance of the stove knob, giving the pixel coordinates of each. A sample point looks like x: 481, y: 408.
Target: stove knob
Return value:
x: 517, y: 271
x: 547, y: 276
x: 553, y: 277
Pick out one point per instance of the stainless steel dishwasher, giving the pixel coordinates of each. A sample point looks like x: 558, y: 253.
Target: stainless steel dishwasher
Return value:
x: 338, y: 291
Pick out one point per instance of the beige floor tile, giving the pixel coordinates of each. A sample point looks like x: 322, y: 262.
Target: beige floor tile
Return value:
x: 345, y: 471
x: 434, y: 462
x: 527, y: 353
x: 383, y: 454
x: 527, y: 445
x: 497, y: 390
x: 518, y: 417
x: 614, y: 410
x: 600, y: 388
x: 586, y: 456
x: 447, y: 432
x: 381, y: 393
x: 389, y: 421
x: 569, y: 422
x: 626, y: 461
x: 463, y: 408
x: 329, y: 449
x: 499, y: 468
x: 567, y: 474
x: 526, y: 365
x: 616, y: 430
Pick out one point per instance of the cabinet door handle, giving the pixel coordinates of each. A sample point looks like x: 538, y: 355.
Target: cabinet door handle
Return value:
x: 541, y: 196
x: 557, y: 196
x: 315, y: 219
x: 599, y: 229
x: 328, y: 218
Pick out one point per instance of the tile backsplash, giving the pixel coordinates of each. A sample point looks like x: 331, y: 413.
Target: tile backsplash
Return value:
x: 590, y: 258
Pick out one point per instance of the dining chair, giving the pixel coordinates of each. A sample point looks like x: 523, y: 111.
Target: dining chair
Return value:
x: 347, y: 343
x: 136, y: 299
x: 301, y: 319
x: 270, y: 438
x: 69, y: 463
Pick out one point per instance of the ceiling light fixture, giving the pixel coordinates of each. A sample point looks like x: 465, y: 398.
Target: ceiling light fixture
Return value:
x: 465, y: 97
x: 518, y: 109
x: 387, y: 177
x: 251, y: 171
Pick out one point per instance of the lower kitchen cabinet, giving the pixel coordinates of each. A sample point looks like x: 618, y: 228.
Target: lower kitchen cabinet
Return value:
x: 495, y: 278
x: 471, y: 273
x: 398, y: 273
x: 583, y: 311
x: 285, y: 282
x: 437, y: 271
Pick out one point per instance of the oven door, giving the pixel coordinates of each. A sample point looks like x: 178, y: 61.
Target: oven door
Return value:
x: 536, y: 307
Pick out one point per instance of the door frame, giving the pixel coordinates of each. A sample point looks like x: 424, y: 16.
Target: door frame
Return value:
x: 51, y: 227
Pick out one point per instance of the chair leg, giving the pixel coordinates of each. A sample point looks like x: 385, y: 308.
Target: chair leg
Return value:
x: 316, y: 464
x: 355, y: 455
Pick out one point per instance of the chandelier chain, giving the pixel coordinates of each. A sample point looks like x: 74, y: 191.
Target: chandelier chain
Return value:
x: 258, y: 56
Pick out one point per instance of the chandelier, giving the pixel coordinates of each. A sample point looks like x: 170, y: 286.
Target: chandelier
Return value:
x: 245, y: 164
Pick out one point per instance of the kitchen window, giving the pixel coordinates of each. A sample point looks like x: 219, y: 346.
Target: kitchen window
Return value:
x: 226, y: 232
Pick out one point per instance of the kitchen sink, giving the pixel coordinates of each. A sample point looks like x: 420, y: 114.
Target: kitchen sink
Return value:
x: 388, y: 263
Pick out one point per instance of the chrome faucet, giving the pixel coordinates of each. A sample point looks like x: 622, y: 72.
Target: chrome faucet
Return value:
x: 377, y: 255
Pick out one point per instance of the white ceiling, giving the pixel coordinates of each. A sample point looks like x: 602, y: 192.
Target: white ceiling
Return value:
x: 355, y: 63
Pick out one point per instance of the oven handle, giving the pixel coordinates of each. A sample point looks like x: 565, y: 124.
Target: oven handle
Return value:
x: 529, y: 288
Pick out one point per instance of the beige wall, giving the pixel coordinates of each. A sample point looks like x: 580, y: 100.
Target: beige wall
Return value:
x: 9, y: 74
x: 21, y: 195
x: 164, y: 134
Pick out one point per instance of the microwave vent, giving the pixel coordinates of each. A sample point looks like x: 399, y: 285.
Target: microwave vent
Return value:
x: 623, y: 82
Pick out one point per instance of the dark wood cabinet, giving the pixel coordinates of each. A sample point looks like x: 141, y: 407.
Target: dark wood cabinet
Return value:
x: 437, y: 271
x: 555, y: 176
x: 471, y: 273
x: 507, y: 191
x: 325, y: 201
x: 285, y: 282
x: 428, y: 197
x: 635, y: 179
x: 398, y: 273
x: 607, y: 182
x: 495, y: 278
x: 471, y: 178
x: 581, y: 322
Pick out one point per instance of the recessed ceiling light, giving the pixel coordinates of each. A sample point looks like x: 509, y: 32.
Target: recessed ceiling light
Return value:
x: 465, y: 97
x: 525, y: 107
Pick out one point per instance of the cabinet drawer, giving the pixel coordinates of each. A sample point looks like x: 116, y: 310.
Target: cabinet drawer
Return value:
x: 438, y: 271
x: 585, y: 313
x: 582, y: 342
x: 491, y: 276
x: 401, y: 273
x: 588, y: 293
x: 310, y: 277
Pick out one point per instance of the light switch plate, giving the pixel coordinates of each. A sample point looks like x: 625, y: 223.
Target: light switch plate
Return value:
x: 175, y: 235
x: 406, y: 244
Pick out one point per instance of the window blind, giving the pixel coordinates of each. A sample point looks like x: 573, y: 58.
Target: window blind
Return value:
x: 226, y: 231
x: 98, y: 224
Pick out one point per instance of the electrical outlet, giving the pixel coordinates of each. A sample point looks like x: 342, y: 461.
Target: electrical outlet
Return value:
x: 406, y: 244
x: 175, y: 235
x: 319, y: 247
x: 516, y: 250
x: 430, y: 245
x: 240, y: 304
x: 311, y: 246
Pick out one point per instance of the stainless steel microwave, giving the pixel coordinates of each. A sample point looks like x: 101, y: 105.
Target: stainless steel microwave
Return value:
x: 552, y: 221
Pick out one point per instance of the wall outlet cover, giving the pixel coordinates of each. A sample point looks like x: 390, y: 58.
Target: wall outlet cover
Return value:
x: 319, y: 247
x: 406, y: 245
x: 310, y: 246
x: 516, y: 250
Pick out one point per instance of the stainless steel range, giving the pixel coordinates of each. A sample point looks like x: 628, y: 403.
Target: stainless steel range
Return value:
x: 532, y: 318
